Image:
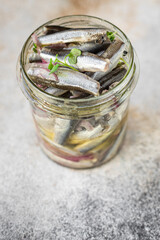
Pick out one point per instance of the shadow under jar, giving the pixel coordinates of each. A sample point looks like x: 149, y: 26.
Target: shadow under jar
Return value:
x: 86, y: 132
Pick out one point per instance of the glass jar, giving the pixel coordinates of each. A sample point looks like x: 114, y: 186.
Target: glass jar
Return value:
x: 80, y: 133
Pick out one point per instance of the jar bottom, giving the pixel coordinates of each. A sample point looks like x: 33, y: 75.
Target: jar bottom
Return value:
x: 88, y: 160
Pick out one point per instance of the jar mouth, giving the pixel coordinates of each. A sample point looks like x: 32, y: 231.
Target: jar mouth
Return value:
x: 102, y: 23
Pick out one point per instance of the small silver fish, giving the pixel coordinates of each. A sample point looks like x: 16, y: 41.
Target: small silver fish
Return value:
x: 64, y: 78
x: 62, y: 152
x: 82, y: 136
x: 114, y: 50
x: 109, y: 151
x: 41, y: 75
x: 34, y: 57
x: 49, y: 29
x: 74, y: 35
x: 94, y: 142
x: 113, y: 85
x: 76, y: 94
x: 114, y: 76
x: 62, y: 129
x: 113, y: 53
x: 58, y: 46
x: 55, y: 91
x: 85, y: 62
x: 92, y: 47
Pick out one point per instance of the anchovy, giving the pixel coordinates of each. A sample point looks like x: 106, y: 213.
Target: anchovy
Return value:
x: 64, y: 78
x: 115, y: 71
x: 55, y: 91
x: 76, y: 94
x: 74, y: 35
x: 90, y: 144
x: 34, y: 57
x: 58, y: 46
x: 112, y: 86
x: 113, y: 53
x: 82, y: 136
x: 114, y: 50
x: 85, y: 62
x: 49, y: 29
x: 109, y: 151
x: 92, y: 47
x: 114, y: 76
x: 55, y: 146
x: 66, y: 153
x: 62, y: 129
x: 41, y: 75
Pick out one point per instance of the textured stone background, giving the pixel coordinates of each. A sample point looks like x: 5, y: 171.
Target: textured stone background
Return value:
x: 42, y: 200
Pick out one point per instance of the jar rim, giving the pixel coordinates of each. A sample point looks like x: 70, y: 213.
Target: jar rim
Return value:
x: 101, y: 97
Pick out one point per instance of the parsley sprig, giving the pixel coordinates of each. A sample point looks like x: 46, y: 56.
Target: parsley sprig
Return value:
x: 35, y: 47
x: 72, y: 58
x: 52, y: 67
x: 111, y: 35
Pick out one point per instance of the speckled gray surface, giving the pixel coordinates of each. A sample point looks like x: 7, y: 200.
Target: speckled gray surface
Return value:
x: 42, y: 200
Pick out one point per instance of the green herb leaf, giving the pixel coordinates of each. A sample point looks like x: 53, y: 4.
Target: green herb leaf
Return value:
x: 111, y: 36
x: 56, y: 59
x: 50, y: 66
x: 35, y: 47
x: 55, y: 67
x: 58, y: 63
x: 72, y: 56
x: 75, y: 52
x: 72, y: 59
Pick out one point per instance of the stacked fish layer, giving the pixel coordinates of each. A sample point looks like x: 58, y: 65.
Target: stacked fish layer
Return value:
x: 78, y: 63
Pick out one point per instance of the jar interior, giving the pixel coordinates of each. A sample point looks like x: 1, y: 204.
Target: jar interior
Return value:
x: 81, y: 133
x: 78, y: 22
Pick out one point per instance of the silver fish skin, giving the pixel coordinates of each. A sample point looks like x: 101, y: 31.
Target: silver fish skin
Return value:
x: 113, y: 53
x: 113, y: 85
x: 74, y: 35
x: 71, y: 79
x: 115, y: 48
x: 67, y: 79
x: 86, y: 134
x: 49, y: 29
x: 40, y: 75
x: 114, y: 76
x: 76, y: 94
x: 55, y: 91
x: 37, y: 65
x: 34, y: 57
x: 58, y: 46
x: 109, y: 151
x: 92, y: 143
x: 92, y: 47
x: 85, y: 62
x: 62, y: 129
